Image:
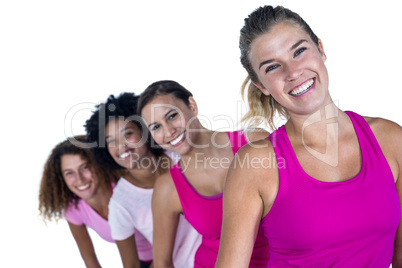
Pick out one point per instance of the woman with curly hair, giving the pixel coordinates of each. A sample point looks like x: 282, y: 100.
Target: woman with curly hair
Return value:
x: 74, y: 187
x: 121, y: 143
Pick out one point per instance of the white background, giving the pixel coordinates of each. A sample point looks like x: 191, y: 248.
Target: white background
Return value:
x: 60, y: 58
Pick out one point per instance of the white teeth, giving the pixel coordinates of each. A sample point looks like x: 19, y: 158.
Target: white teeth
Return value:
x: 83, y: 187
x: 175, y: 141
x: 124, y: 155
x: 304, y: 88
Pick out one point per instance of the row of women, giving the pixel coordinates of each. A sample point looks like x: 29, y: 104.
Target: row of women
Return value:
x: 143, y: 176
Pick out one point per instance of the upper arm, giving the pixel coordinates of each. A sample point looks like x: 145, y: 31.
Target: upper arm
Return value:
x: 84, y: 243
x: 128, y: 252
x: 122, y: 230
x: 391, y: 145
x: 389, y: 137
x: 243, y: 208
x: 166, y: 209
x: 397, y: 256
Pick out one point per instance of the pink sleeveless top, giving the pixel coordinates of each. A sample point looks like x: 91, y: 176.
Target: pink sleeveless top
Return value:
x: 344, y: 224
x: 204, y: 213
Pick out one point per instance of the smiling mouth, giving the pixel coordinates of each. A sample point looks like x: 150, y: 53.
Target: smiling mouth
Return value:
x: 303, y: 88
x: 83, y: 187
x: 177, y: 140
x: 124, y: 155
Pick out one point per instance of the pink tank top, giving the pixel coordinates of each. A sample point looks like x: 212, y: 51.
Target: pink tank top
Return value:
x: 344, y: 224
x: 205, y: 214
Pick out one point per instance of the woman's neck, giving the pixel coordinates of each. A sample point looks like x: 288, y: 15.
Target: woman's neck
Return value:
x: 212, y: 146
x: 205, y: 142
x: 321, y: 133
x: 148, y: 171
x: 100, y: 200
x: 311, y: 127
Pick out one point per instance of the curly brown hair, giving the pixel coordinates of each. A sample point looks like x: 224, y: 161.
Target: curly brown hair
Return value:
x: 54, y: 195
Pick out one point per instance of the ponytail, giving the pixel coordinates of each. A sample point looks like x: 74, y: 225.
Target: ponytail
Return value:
x: 262, y: 108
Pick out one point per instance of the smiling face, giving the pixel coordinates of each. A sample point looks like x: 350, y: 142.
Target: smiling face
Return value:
x: 291, y: 68
x: 172, y: 123
x: 125, y: 143
x: 79, y: 177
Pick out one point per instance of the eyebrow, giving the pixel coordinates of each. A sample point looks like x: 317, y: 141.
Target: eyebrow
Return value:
x: 291, y: 48
x: 298, y: 44
x: 71, y: 169
x: 124, y: 129
x: 264, y: 62
x: 166, y: 114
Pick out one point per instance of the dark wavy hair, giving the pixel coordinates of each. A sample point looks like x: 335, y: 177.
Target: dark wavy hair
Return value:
x: 160, y: 88
x: 54, y: 195
x: 123, y: 107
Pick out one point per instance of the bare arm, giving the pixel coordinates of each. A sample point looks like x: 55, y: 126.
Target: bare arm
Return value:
x: 397, y: 170
x: 166, y: 208
x: 397, y: 256
x: 390, y: 140
x: 128, y: 252
x: 84, y: 243
x: 389, y: 137
x: 243, y: 207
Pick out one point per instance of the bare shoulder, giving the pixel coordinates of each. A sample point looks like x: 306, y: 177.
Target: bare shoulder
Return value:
x: 386, y: 131
x: 165, y: 195
x: 389, y: 137
x: 164, y: 185
x: 254, y: 172
x: 381, y: 124
x: 254, y: 161
x: 256, y: 134
x: 258, y: 147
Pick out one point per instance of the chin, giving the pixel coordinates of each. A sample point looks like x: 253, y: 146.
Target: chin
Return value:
x: 183, y: 150
x: 86, y: 195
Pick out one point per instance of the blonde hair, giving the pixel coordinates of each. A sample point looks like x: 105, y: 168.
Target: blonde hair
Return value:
x: 262, y: 108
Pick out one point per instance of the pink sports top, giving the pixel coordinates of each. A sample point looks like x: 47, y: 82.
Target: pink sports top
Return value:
x: 204, y: 213
x: 344, y: 224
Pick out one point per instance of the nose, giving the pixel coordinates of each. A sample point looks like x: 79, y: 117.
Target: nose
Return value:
x: 121, y: 145
x: 169, y: 130
x: 293, y: 72
x: 80, y: 177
